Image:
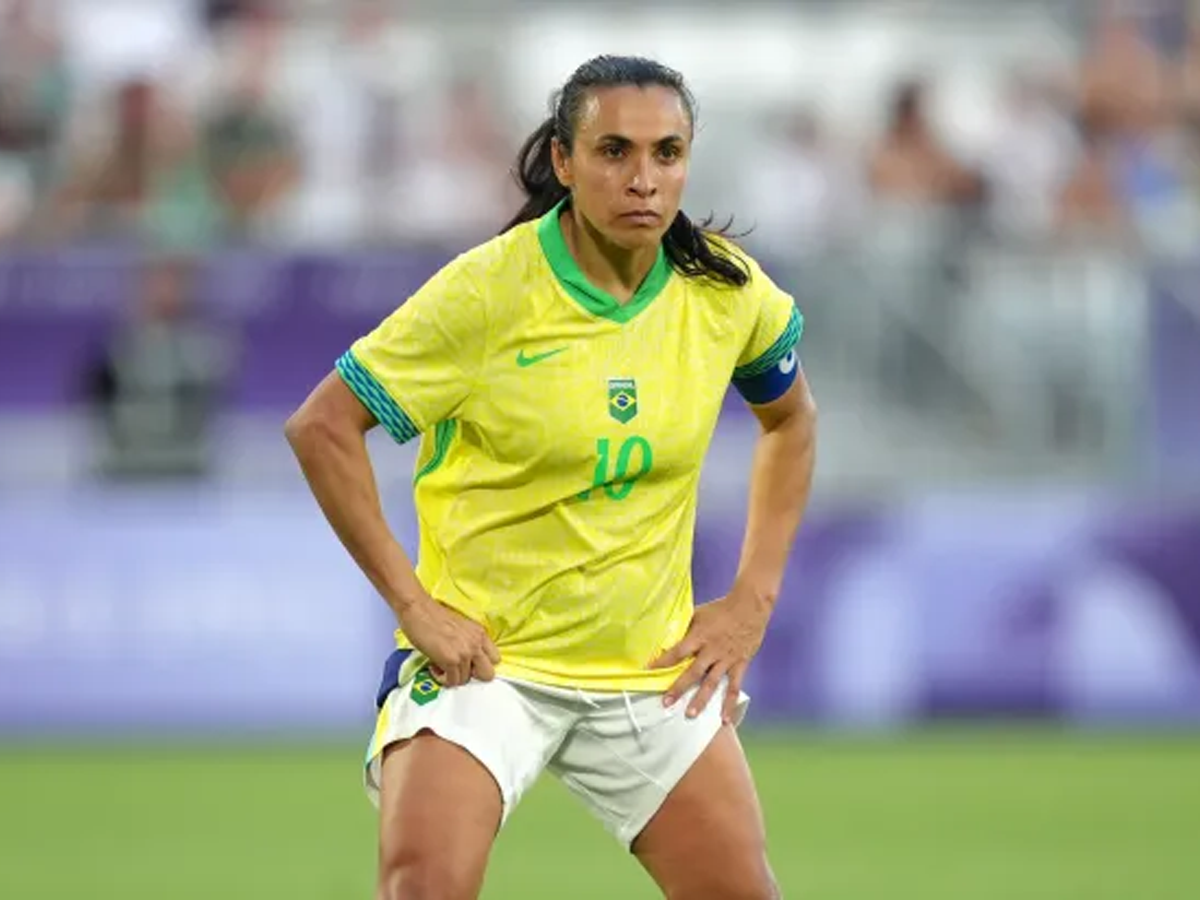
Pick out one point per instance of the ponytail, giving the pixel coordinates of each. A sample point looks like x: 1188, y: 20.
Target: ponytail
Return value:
x: 534, y: 172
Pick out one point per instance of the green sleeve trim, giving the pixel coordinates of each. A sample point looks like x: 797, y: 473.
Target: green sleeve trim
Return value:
x: 376, y: 399
x: 777, y: 351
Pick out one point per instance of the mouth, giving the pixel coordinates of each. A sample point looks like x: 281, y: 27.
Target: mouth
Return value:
x: 641, y: 217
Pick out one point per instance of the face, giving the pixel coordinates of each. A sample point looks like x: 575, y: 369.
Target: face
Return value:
x: 629, y: 164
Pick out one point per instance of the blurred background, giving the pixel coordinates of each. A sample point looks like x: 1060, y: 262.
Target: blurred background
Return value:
x: 983, y: 680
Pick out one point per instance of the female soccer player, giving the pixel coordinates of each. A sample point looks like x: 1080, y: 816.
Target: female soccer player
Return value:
x: 565, y: 379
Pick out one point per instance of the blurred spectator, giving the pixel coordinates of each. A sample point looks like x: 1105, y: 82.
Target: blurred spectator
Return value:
x: 249, y: 147
x: 1189, y: 78
x: 250, y: 154
x: 1133, y: 95
x: 354, y: 100
x: 34, y: 93
x: 457, y: 188
x: 1125, y: 86
x: 154, y: 385
x: 219, y: 13
x: 801, y: 193
x: 136, y: 176
x: 911, y: 163
x: 1029, y: 160
x: 1152, y: 174
x: 1090, y: 208
x: 923, y: 198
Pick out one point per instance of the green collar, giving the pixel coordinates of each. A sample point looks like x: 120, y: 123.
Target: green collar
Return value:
x: 571, y: 277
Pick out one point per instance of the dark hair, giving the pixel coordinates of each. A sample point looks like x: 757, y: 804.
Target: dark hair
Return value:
x: 689, y: 247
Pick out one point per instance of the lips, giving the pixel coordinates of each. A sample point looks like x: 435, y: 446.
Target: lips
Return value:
x: 641, y: 217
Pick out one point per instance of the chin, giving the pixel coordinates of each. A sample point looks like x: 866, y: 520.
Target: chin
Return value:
x: 636, y: 238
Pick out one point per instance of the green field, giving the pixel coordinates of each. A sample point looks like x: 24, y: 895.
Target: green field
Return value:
x: 954, y: 816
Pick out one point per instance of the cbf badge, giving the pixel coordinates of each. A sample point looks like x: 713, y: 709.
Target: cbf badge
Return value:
x: 424, y: 689
x: 622, y: 399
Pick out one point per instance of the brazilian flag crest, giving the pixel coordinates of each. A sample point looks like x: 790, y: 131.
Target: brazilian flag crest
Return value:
x: 622, y: 399
x: 424, y: 689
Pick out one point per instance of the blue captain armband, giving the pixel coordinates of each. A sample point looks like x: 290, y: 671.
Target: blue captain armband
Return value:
x: 769, y: 384
x: 769, y: 377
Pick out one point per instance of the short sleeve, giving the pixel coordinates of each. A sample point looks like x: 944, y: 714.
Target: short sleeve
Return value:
x: 419, y: 366
x: 768, y: 358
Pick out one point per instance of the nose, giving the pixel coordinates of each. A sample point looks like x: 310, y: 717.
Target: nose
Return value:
x: 642, y: 184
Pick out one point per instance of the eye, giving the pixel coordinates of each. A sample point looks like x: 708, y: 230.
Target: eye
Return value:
x: 670, y: 152
x: 612, y: 151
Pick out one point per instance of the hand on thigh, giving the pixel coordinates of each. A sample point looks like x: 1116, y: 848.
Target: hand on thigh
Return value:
x: 707, y: 841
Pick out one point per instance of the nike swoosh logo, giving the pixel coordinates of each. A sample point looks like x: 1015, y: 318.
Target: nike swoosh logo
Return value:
x: 788, y: 363
x: 526, y: 361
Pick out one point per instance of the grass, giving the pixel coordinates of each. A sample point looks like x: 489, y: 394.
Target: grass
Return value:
x: 984, y: 815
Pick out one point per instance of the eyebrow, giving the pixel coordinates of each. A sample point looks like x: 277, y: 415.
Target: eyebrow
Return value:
x: 621, y: 139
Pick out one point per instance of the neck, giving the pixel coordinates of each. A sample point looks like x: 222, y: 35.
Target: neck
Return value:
x: 615, y: 270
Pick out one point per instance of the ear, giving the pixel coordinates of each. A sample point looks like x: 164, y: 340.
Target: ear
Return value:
x: 562, y: 164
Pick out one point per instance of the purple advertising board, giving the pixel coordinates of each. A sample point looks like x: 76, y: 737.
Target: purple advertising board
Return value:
x: 181, y: 611
x: 290, y: 316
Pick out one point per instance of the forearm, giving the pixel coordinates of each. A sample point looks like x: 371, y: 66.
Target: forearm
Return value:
x: 780, y: 481
x: 338, y: 469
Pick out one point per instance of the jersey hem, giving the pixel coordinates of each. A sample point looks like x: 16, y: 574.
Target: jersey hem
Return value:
x: 648, y: 681
x: 652, y: 681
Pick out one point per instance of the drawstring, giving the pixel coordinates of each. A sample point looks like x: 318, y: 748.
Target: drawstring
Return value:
x: 637, y: 727
x: 633, y: 720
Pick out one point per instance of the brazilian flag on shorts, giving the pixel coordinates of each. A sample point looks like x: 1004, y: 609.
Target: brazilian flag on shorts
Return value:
x: 424, y: 688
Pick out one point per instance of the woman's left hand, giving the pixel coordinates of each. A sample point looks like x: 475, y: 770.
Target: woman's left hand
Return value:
x: 722, y: 639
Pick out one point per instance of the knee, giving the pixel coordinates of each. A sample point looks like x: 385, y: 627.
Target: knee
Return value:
x: 425, y: 877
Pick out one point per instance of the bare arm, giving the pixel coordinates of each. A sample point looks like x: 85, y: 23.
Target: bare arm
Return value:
x: 328, y: 435
x: 726, y: 634
x: 780, y: 482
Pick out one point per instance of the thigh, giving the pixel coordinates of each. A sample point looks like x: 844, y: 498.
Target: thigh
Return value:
x: 439, y: 811
x: 446, y: 766
x: 707, y: 840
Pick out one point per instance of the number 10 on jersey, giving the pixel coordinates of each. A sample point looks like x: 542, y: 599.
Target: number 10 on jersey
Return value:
x: 613, y: 475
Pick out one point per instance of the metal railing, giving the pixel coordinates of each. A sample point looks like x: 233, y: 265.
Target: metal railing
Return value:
x: 1028, y: 359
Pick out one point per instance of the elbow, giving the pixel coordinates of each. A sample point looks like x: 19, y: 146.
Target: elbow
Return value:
x: 330, y: 416
x: 305, y: 428
x: 295, y: 427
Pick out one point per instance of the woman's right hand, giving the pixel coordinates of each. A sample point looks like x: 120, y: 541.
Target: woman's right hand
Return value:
x: 458, y: 648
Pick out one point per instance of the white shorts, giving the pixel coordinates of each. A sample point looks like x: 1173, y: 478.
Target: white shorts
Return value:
x: 620, y: 753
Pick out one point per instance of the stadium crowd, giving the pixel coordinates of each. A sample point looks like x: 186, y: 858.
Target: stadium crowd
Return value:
x: 256, y: 130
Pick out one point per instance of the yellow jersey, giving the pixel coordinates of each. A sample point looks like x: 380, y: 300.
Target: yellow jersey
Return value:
x: 562, y: 437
